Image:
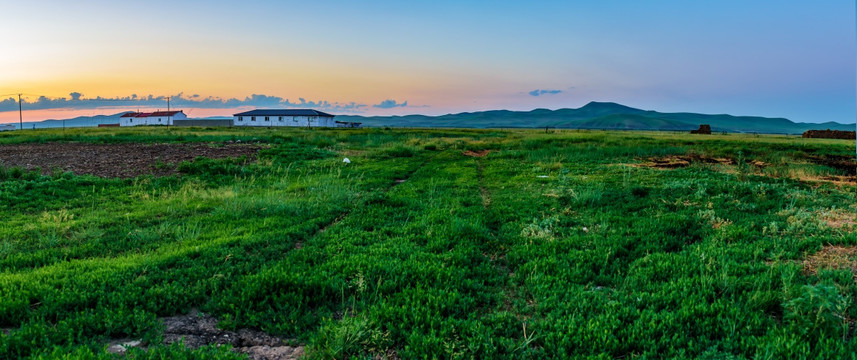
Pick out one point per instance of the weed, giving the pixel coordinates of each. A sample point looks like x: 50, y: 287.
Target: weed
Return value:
x: 596, y: 260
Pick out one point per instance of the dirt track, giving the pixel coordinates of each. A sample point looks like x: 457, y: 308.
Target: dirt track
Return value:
x: 115, y: 160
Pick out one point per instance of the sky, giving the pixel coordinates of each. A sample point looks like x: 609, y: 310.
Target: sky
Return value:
x: 754, y: 57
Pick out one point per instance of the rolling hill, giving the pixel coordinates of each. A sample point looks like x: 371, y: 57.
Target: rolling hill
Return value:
x: 594, y: 115
x: 598, y: 115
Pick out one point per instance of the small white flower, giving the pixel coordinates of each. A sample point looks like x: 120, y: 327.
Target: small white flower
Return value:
x: 346, y: 160
x: 585, y: 229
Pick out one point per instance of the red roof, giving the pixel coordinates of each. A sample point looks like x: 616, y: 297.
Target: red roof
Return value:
x: 151, y: 114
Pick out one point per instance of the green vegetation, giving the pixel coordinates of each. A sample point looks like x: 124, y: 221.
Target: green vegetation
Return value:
x: 600, y: 115
x: 558, y: 245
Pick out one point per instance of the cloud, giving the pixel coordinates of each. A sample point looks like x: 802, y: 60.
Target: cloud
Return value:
x: 389, y: 104
x: 78, y: 101
x: 538, y: 92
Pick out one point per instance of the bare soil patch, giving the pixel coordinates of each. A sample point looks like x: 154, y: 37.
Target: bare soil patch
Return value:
x: 480, y: 153
x: 680, y: 161
x: 759, y: 164
x: 115, y: 160
x: 840, y: 219
x: 832, y: 257
x: 838, y: 180
x: 197, y: 330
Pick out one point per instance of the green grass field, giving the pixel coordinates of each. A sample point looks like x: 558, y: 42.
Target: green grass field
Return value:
x: 549, y: 245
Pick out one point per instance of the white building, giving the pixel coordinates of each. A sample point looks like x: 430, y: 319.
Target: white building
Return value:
x: 285, y: 117
x: 8, y: 127
x: 152, y: 118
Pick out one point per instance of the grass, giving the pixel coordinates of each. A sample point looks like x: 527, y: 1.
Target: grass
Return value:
x: 550, y: 246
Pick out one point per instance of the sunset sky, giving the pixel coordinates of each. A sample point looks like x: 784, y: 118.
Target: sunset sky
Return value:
x: 767, y: 58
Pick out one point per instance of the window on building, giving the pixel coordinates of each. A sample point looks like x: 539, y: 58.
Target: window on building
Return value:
x: 159, y: 119
x: 240, y: 118
x: 131, y: 120
x: 252, y: 118
x: 267, y: 119
x: 281, y: 119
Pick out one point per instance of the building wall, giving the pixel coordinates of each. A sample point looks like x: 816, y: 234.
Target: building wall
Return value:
x: 204, y: 123
x: 284, y: 121
x: 127, y: 121
x: 151, y: 120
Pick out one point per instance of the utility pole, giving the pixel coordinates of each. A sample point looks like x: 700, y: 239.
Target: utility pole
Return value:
x: 20, y: 115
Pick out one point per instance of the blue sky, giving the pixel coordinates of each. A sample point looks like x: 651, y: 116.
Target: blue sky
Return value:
x: 769, y: 58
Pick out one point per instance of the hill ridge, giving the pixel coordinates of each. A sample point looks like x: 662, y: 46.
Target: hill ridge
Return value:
x: 599, y: 115
x: 594, y: 115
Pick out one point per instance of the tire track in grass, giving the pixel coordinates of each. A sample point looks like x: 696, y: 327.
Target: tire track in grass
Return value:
x: 346, y: 213
x: 339, y: 218
x: 483, y: 191
x: 497, y: 255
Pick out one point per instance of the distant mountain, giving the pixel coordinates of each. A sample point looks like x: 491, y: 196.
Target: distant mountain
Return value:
x: 598, y: 115
x: 629, y: 122
x: 594, y: 115
x: 80, y: 121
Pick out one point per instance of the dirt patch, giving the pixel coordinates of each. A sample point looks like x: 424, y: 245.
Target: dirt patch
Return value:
x: 120, y: 346
x: 835, y: 179
x: 480, y: 153
x: 680, y: 161
x: 840, y: 219
x: 197, y: 330
x: 759, y: 164
x: 832, y: 257
x: 845, y: 164
x: 115, y: 160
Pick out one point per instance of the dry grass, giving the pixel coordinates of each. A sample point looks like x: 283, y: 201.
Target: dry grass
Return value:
x: 480, y: 153
x: 840, y: 219
x: 755, y: 167
x: 680, y: 161
x: 839, y: 180
x: 832, y: 257
x: 801, y: 172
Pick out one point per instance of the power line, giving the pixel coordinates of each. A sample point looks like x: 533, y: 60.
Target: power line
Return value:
x: 162, y: 97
